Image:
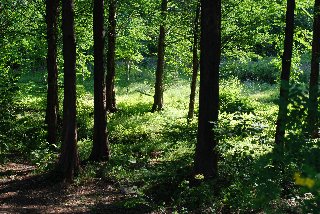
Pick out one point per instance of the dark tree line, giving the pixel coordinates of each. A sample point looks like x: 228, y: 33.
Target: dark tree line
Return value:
x: 206, y: 156
x: 111, y: 70
x: 195, y: 63
x: 285, y: 73
x: 68, y: 164
x: 100, y: 150
x: 52, y: 11
x: 313, y: 113
x: 158, y: 94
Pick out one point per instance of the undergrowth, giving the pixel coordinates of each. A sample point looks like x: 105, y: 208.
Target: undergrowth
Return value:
x: 152, y: 153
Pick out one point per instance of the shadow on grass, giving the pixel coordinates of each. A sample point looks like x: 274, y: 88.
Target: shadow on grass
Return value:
x: 39, y: 194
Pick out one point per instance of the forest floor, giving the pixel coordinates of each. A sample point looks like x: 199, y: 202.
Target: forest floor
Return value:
x: 23, y: 191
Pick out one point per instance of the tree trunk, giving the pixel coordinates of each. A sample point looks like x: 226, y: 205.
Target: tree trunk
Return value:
x: 100, y: 150
x: 128, y: 74
x: 313, y: 114
x: 52, y: 91
x: 206, y: 156
x: 111, y: 70
x: 158, y: 94
x: 68, y: 163
x: 285, y: 74
x: 195, y: 64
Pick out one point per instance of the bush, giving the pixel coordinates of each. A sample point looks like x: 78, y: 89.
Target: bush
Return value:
x: 261, y: 70
x: 8, y: 88
x: 231, y: 98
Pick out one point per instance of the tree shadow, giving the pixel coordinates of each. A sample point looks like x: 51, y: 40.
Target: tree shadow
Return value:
x: 41, y: 194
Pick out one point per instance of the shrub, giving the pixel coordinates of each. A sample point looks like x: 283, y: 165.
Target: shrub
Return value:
x: 231, y: 98
x: 8, y: 88
x: 261, y: 70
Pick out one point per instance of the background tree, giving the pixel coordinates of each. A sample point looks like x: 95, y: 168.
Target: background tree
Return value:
x: 100, y: 150
x: 206, y: 157
x: 52, y: 93
x: 158, y: 94
x: 111, y: 69
x: 68, y: 163
x: 195, y: 63
x: 313, y: 114
x: 285, y: 73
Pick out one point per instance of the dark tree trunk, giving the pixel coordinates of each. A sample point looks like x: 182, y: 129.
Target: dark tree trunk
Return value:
x: 52, y: 93
x: 111, y: 70
x: 206, y: 156
x: 68, y: 163
x: 158, y: 94
x: 195, y: 64
x: 285, y: 74
x: 313, y: 113
x: 128, y: 74
x: 100, y: 150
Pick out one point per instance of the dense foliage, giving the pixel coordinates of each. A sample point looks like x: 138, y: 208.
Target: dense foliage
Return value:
x: 152, y: 153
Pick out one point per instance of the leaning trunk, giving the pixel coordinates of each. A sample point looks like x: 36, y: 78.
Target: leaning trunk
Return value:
x: 313, y: 114
x: 100, y: 150
x: 206, y: 157
x: 111, y: 70
x: 195, y: 64
x: 68, y: 163
x: 52, y: 93
x: 285, y: 74
x: 158, y: 95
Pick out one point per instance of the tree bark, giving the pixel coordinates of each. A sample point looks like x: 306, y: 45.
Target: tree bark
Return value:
x: 313, y: 114
x: 206, y: 157
x: 158, y: 95
x: 68, y: 164
x: 195, y: 63
x: 52, y: 7
x: 100, y: 150
x: 111, y: 70
x: 285, y: 74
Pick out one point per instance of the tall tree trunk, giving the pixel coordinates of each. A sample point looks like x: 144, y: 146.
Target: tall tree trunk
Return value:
x: 313, y: 114
x: 128, y: 74
x: 285, y: 74
x: 195, y: 63
x: 52, y: 93
x: 111, y: 70
x: 68, y: 163
x: 100, y: 150
x: 158, y: 95
x: 206, y: 156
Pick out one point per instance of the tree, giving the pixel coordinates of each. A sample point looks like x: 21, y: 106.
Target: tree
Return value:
x: 68, y: 163
x: 158, y: 95
x: 52, y: 92
x: 285, y: 73
x: 313, y: 114
x: 100, y: 150
x: 111, y: 70
x: 195, y: 63
x: 206, y: 156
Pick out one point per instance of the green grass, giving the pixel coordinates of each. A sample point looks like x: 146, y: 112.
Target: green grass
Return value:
x: 152, y: 153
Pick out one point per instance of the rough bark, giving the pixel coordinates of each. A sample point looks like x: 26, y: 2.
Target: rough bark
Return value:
x: 313, y: 114
x: 206, y: 156
x: 195, y: 64
x: 68, y: 164
x: 52, y: 7
x: 111, y: 70
x: 158, y: 94
x: 100, y: 149
x: 285, y: 74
